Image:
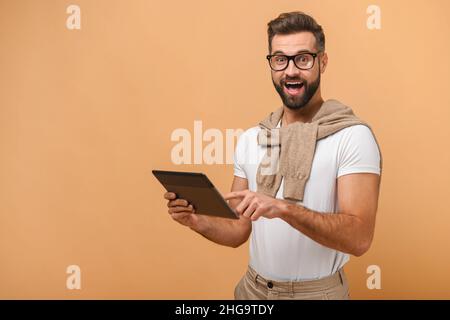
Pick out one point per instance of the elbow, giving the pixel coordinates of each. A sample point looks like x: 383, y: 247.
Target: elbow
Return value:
x: 241, y: 237
x: 359, y: 252
x: 361, y: 248
x: 240, y: 241
x: 237, y: 244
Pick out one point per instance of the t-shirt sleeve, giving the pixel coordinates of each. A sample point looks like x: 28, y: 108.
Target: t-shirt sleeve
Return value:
x: 358, y: 152
x: 239, y: 157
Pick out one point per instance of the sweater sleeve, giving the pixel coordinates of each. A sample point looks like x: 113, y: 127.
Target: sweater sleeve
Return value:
x: 358, y: 152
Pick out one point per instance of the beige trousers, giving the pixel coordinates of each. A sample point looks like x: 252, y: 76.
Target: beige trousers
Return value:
x: 254, y: 287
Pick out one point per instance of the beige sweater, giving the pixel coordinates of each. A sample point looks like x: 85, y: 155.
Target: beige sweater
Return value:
x: 290, y: 149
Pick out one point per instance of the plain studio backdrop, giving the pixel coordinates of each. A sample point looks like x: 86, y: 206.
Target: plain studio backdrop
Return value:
x: 86, y: 114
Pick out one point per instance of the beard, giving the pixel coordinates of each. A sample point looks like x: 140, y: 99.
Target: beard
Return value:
x: 298, y: 102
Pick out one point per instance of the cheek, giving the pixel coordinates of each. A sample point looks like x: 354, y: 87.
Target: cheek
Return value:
x: 310, y: 75
x: 276, y: 77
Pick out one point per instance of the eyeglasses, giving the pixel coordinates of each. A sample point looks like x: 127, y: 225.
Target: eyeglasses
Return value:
x: 303, y: 61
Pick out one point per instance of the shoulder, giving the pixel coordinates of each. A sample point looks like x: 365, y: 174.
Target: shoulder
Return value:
x: 249, y: 135
x: 358, y: 130
x: 356, y: 135
x: 358, y: 151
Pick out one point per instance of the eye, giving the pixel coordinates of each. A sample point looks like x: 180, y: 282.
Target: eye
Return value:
x: 303, y: 58
x: 280, y: 59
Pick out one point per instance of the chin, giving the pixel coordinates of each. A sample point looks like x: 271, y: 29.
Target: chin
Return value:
x: 294, y: 106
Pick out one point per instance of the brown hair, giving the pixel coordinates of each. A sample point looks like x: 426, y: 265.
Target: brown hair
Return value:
x: 292, y: 22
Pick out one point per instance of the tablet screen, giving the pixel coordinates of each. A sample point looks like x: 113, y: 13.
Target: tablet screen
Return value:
x: 198, y: 190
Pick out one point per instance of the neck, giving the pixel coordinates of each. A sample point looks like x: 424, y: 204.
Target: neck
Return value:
x: 304, y: 114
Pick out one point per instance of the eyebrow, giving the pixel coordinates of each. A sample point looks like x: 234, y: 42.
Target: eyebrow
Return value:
x: 300, y: 51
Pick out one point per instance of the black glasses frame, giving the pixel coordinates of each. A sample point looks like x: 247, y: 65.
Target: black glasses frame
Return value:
x: 313, y: 54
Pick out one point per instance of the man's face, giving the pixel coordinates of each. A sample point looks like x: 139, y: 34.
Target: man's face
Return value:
x: 296, y: 96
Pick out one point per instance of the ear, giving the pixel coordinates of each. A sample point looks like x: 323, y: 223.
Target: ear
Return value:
x: 323, y: 62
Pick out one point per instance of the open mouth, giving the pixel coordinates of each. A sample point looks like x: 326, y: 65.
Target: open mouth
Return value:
x: 293, y: 87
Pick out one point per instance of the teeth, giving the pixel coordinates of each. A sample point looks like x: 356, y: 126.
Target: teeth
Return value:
x: 293, y: 82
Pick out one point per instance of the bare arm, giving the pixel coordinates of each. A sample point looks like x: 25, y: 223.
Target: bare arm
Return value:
x: 223, y: 231
x: 350, y: 230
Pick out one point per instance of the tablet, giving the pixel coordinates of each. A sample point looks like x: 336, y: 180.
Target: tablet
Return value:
x: 198, y: 190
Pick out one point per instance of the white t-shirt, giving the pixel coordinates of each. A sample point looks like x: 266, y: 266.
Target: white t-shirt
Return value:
x: 277, y: 250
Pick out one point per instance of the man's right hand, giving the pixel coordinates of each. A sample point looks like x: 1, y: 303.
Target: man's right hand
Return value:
x: 227, y: 232
x: 183, y: 212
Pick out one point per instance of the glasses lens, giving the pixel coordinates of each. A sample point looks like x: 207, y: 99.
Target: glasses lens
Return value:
x: 278, y: 62
x: 304, y: 61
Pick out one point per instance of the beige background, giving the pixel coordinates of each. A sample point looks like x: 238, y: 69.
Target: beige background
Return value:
x: 85, y: 115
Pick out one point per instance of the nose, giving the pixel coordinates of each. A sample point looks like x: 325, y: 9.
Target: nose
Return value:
x: 291, y: 70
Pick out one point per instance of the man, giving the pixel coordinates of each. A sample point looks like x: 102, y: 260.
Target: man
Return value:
x: 318, y: 206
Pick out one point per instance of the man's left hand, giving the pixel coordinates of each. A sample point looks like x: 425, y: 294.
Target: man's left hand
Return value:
x: 254, y: 205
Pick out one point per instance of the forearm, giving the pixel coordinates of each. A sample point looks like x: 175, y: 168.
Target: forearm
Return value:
x: 339, y: 231
x: 226, y: 232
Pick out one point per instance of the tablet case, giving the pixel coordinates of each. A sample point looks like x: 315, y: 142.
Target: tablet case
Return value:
x: 198, y: 190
